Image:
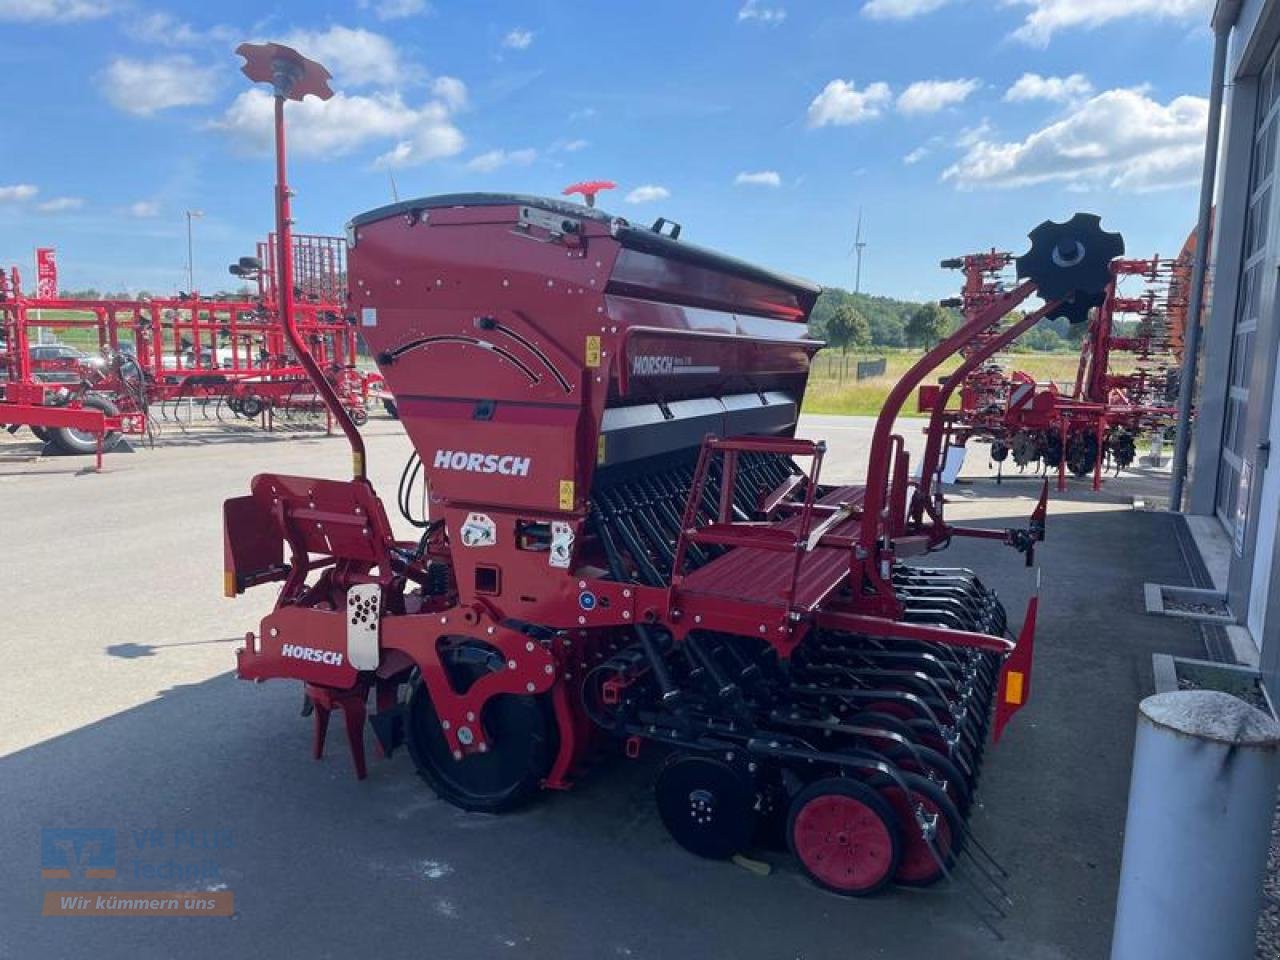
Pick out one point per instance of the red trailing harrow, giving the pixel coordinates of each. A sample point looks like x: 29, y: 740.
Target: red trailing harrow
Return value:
x: 1126, y: 385
x: 161, y: 359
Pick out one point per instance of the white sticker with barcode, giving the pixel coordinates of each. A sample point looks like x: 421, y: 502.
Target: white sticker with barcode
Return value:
x: 369, y: 317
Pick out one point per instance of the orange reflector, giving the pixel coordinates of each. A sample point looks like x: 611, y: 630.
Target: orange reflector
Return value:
x: 228, y: 583
x: 1013, y: 687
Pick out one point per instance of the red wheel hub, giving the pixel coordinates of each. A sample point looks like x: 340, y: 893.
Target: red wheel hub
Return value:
x: 843, y: 842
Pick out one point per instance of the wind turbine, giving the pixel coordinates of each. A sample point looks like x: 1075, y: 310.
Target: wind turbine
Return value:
x: 858, y: 246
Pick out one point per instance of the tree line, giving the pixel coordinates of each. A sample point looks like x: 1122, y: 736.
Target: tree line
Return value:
x: 860, y: 321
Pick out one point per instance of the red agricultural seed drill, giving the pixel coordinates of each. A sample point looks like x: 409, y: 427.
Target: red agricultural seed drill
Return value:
x: 626, y: 540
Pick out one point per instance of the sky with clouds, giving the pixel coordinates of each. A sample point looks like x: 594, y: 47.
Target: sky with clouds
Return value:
x: 762, y: 126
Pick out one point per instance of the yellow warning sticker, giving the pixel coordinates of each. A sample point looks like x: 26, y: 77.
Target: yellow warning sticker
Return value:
x: 600, y: 450
x: 566, y: 495
x: 228, y: 583
x: 1013, y: 688
x: 593, y: 351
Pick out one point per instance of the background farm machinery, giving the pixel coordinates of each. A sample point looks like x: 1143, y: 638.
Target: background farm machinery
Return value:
x: 625, y: 541
x: 1126, y: 385
x: 179, y: 359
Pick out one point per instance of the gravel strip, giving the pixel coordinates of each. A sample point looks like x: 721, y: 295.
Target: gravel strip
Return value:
x: 1269, y: 918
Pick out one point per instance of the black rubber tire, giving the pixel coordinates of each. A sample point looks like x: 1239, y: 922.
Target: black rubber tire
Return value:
x: 250, y: 406
x: 359, y: 416
x: 522, y: 741
x: 41, y: 433
x: 869, y: 799
x: 76, y: 442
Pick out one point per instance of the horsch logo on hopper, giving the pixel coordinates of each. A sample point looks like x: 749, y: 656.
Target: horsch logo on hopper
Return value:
x: 506, y: 464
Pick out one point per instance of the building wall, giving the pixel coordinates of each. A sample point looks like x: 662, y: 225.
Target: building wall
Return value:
x: 1237, y: 415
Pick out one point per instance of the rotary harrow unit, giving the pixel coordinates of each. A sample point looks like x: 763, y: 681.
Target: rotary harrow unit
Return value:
x: 625, y: 541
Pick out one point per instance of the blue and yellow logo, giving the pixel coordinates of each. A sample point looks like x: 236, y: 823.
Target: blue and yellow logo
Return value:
x: 77, y: 852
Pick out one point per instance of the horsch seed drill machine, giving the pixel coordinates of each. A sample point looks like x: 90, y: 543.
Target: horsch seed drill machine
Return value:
x: 626, y: 540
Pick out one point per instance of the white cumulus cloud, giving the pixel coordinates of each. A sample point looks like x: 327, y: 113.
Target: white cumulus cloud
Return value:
x: 757, y: 11
x: 915, y: 156
x: 1120, y: 138
x: 357, y: 57
x: 900, y: 9
x: 143, y: 87
x: 518, y: 39
x: 841, y: 103
x: 60, y: 204
x: 395, y: 9
x: 1047, y: 17
x: 762, y: 178
x: 497, y: 159
x: 53, y: 11
x: 167, y: 30
x: 18, y: 191
x: 143, y: 209
x: 346, y: 123
x: 451, y: 91
x: 930, y: 96
x: 647, y: 194
x: 1032, y: 86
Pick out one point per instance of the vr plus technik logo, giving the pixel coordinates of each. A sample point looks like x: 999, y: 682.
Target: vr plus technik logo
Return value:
x: 68, y: 853
x: 183, y: 858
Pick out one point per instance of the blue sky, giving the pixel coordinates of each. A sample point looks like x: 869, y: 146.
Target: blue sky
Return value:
x: 761, y: 125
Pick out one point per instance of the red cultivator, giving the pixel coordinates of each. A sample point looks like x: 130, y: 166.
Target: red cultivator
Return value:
x: 626, y: 541
x: 182, y: 358
x: 1126, y: 385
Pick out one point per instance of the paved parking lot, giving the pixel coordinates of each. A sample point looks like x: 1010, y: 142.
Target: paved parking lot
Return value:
x: 120, y: 713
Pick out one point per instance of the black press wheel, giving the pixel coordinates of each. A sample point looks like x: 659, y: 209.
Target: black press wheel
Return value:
x: 845, y: 836
x: 520, y: 734
x: 706, y: 804
x: 74, y: 441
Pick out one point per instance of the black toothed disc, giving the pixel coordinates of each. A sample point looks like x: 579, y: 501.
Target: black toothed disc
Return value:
x: 1070, y: 258
x: 1076, y: 310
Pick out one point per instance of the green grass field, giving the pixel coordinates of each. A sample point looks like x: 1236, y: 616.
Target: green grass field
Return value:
x: 829, y: 392
x: 81, y: 337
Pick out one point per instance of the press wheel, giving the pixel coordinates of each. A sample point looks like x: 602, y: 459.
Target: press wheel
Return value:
x: 521, y: 745
x: 845, y: 836
x: 706, y: 804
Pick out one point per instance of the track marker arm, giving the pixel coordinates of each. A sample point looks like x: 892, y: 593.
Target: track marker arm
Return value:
x: 1015, y: 676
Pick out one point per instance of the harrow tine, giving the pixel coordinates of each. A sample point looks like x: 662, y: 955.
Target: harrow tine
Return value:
x: 1004, y: 873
